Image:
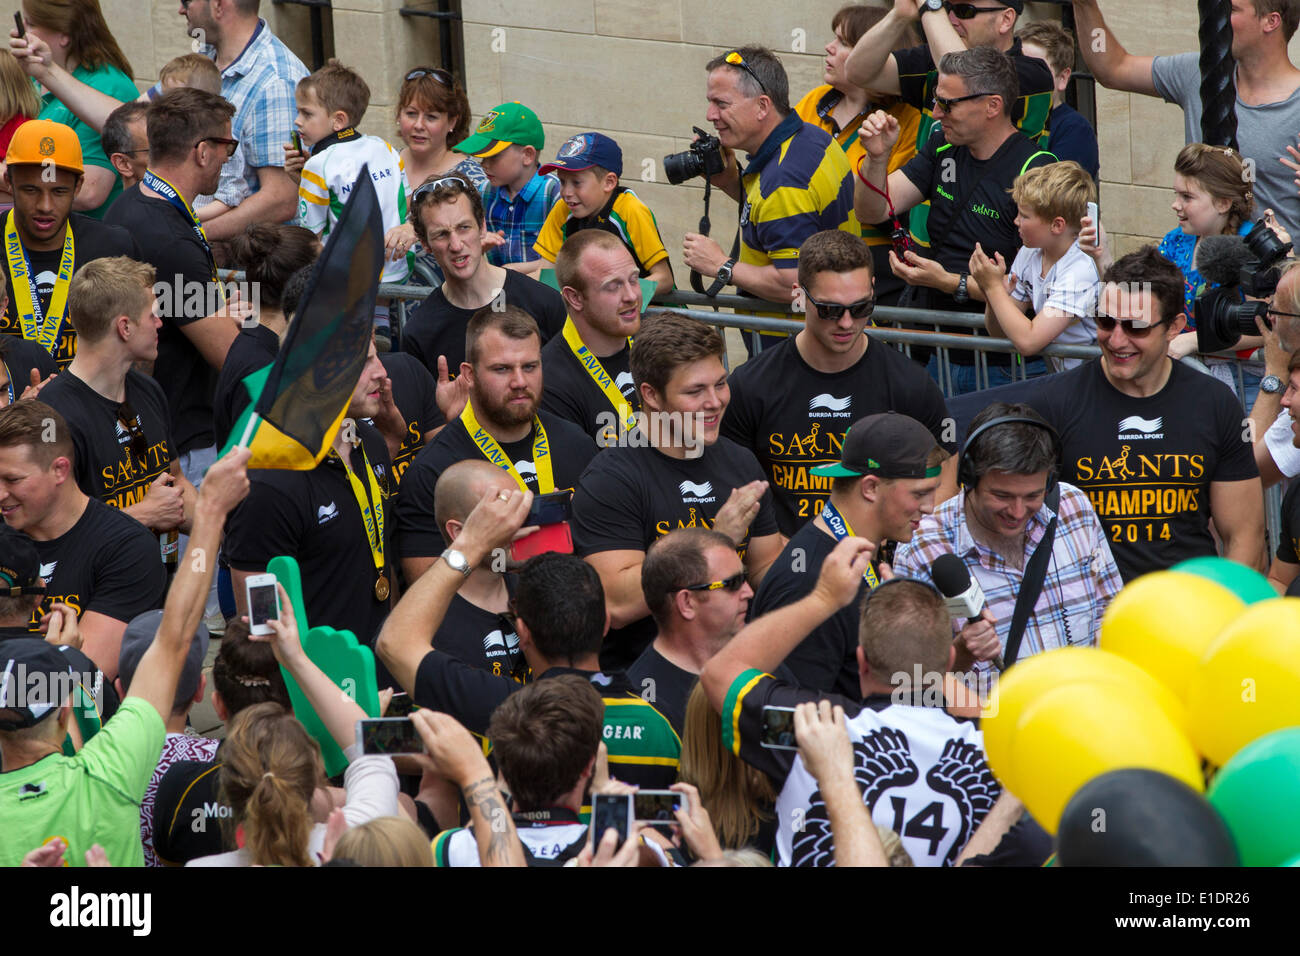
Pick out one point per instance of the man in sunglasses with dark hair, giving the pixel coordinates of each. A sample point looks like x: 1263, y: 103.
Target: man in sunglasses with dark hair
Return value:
x: 791, y: 404
x: 1159, y: 448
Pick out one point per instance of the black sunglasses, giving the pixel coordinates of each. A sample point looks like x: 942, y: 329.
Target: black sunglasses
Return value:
x: 968, y: 11
x: 735, y: 59
x: 126, y: 414
x: 947, y: 105
x: 1107, y: 323
x: 230, y: 144
x: 732, y: 584
x: 439, y: 74
x: 832, y: 311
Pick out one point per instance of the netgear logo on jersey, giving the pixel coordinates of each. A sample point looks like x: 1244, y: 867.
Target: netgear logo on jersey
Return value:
x: 698, y: 493
x: 828, y: 406
x: 1137, y: 428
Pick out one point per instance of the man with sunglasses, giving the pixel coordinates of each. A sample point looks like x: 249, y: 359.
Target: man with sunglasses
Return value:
x: 791, y: 404
x: 121, y: 432
x: 880, y: 487
x: 1271, y: 423
x: 949, y: 28
x: 1159, y: 448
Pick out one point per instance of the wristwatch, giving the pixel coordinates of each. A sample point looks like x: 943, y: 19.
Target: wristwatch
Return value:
x: 457, y: 561
x: 1271, y: 385
x: 961, y: 296
x: 931, y: 6
x: 723, y: 279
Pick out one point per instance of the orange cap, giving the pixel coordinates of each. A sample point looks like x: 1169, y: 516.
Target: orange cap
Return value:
x: 42, y: 142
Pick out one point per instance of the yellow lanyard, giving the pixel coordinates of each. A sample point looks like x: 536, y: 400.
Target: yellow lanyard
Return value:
x: 492, y: 451
x: 598, y: 374
x: 371, y: 517
x: 37, y: 327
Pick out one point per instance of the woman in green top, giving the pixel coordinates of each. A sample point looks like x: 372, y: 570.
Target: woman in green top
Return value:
x: 81, y: 43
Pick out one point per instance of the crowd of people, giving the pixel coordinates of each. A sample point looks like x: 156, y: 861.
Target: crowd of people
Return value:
x: 583, y: 557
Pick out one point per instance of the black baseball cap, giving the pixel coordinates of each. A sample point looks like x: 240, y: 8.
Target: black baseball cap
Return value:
x: 35, y: 680
x: 20, y: 565
x: 890, y: 445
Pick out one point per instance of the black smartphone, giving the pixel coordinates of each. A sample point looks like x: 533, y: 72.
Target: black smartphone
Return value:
x: 296, y: 137
x: 656, y: 806
x: 18, y: 22
x: 778, y: 729
x: 553, y: 508
x: 610, y: 811
x: 389, y: 735
x: 401, y: 705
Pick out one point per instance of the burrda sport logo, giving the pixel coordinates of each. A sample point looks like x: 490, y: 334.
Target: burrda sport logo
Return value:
x: 1137, y: 428
x: 696, y: 492
x: 826, y: 405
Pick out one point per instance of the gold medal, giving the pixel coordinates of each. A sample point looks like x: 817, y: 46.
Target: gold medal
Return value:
x: 381, y: 587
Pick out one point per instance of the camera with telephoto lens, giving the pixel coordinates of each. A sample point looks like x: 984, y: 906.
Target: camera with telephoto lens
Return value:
x: 1222, y: 317
x: 703, y: 158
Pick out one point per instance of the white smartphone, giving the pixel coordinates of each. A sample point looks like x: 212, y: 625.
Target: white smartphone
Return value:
x: 263, y: 603
x: 658, y: 806
x: 1092, y: 212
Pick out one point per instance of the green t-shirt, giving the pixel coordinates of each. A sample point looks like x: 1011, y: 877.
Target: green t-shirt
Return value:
x: 91, y: 798
x: 107, y: 79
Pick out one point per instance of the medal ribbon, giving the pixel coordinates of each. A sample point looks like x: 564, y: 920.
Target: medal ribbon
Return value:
x: 840, y: 530
x: 169, y: 192
x: 493, y: 453
x: 36, y: 326
x: 371, y: 516
x: 598, y: 374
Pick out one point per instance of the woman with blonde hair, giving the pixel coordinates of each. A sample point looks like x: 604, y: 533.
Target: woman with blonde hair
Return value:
x: 18, y: 99
x: 388, y: 841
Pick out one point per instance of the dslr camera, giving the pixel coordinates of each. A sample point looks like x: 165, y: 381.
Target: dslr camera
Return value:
x: 703, y: 158
x: 1222, y: 317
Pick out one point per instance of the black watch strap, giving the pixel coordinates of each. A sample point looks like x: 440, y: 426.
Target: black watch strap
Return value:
x: 722, y: 281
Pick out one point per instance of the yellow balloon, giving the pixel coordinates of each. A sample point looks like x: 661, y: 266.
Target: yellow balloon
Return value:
x: 1248, y: 682
x: 1163, y: 622
x: 1030, y: 679
x: 1077, y: 732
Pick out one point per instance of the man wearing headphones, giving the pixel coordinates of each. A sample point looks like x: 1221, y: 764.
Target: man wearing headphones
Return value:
x: 1011, y: 504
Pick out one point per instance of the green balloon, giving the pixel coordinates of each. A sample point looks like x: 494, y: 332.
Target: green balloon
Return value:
x: 1247, y: 583
x: 1256, y: 793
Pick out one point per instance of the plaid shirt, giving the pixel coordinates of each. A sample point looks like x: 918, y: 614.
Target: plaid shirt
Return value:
x: 260, y: 84
x: 1080, y: 582
x: 520, y: 218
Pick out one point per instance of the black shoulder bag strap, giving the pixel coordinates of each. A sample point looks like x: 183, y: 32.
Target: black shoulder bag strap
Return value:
x: 1032, y: 584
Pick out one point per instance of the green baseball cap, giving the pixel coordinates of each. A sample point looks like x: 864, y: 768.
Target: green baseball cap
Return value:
x: 890, y: 445
x: 505, y: 125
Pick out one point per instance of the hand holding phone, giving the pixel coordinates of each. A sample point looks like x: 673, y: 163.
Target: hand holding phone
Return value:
x: 18, y: 22
x: 389, y: 735
x: 550, y: 514
x: 263, y: 603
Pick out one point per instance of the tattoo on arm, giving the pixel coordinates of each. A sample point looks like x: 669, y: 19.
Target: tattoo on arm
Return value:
x: 497, y: 845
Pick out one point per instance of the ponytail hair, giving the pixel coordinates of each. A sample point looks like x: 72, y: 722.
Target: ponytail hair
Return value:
x: 270, y: 770
x: 270, y: 254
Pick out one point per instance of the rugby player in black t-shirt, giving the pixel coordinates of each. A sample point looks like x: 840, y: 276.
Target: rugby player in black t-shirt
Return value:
x: 881, y: 487
x: 791, y: 404
x: 125, y: 456
x: 1159, y: 448
x: 500, y: 423
x: 588, y: 378
x: 675, y: 471
x: 94, y: 559
x: 448, y: 218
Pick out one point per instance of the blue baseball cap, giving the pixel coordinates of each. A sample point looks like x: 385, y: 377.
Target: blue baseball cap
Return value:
x: 586, y: 150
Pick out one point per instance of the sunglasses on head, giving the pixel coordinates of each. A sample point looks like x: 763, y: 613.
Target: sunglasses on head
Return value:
x: 439, y: 74
x: 732, y: 584
x: 454, y: 182
x: 735, y: 59
x: 1107, y: 323
x: 832, y: 311
x: 968, y: 11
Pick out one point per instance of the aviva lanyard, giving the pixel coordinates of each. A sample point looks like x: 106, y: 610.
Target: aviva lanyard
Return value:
x: 840, y: 530
x: 169, y: 192
x: 492, y: 451
x: 598, y: 374
x: 37, y: 326
x: 371, y: 503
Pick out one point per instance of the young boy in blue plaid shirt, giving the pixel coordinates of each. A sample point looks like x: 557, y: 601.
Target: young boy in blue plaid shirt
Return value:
x: 508, y: 143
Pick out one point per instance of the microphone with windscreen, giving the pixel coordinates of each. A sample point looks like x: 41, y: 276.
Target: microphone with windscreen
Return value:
x: 962, y: 594
x: 1221, y: 316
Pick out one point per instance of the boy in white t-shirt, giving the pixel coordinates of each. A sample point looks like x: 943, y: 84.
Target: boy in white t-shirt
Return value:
x: 1052, y: 293
x: 331, y: 102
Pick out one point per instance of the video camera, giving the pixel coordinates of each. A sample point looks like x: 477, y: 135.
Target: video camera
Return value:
x: 1240, y: 266
x: 703, y: 158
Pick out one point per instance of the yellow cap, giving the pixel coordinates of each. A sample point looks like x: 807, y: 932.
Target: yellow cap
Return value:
x: 45, y: 142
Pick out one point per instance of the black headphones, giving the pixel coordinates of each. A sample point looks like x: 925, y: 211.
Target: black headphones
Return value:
x: 966, y: 468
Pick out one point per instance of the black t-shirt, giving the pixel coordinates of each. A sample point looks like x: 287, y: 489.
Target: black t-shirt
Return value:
x: 187, y: 812
x: 437, y: 327
x: 107, y: 563
x: 168, y: 243
x: 20, y: 357
x: 107, y: 465
x: 630, y: 497
x: 91, y: 239
x: 1288, y: 545
x: 1147, y: 463
x: 418, y: 534
x: 313, y: 516
x: 415, y: 393
x: 793, y: 417
x: 573, y: 395
x: 664, y: 684
x: 253, y: 348
x: 826, y: 660
x: 482, y: 639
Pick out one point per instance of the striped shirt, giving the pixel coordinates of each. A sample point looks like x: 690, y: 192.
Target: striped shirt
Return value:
x: 520, y: 218
x: 1081, y: 577
x: 625, y: 215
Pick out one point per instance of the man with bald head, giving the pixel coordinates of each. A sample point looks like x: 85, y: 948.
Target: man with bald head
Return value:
x: 476, y: 628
